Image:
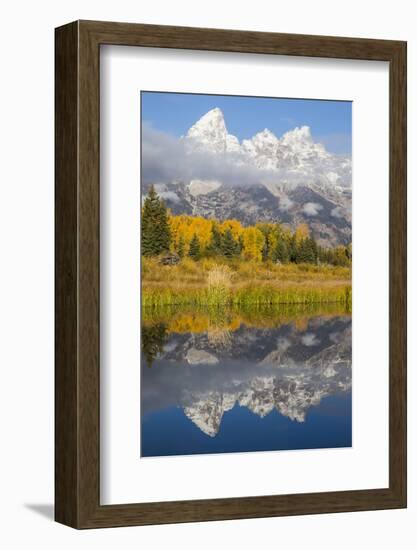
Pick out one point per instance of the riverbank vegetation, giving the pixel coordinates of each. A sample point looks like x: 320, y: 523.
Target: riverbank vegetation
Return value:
x: 215, y: 263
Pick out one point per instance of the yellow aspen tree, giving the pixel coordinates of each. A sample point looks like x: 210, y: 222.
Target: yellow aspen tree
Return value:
x: 302, y: 232
x: 235, y: 227
x: 253, y: 243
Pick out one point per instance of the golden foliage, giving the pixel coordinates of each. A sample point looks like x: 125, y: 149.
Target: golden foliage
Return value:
x: 220, y: 323
x: 253, y: 243
x: 235, y: 227
x: 302, y: 232
x: 187, y: 226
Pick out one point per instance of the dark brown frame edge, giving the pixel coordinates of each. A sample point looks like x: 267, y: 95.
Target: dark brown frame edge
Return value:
x: 77, y: 274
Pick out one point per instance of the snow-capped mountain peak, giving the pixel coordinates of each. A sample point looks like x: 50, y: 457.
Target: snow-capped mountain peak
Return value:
x: 266, y: 177
x: 265, y: 139
x: 213, y: 118
x: 210, y: 133
x: 300, y: 134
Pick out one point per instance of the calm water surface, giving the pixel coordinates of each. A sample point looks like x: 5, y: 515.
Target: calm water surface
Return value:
x: 216, y: 381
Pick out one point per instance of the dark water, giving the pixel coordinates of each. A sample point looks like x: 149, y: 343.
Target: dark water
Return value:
x: 232, y: 381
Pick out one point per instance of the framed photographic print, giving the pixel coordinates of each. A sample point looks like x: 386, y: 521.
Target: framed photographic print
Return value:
x: 230, y: 274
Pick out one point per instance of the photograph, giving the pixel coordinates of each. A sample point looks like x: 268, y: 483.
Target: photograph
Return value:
x: 209, y: 271
x: 246, y: 260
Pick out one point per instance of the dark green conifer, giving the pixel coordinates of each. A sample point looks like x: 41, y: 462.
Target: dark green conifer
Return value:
x: 153, y: 340
x: 155, y: 234
x: 215, y: 245
x: 181, y: 247
x: 280, y: 254
x: 229, y: 246
x: 292, y: 252
x: 305, y: 252
x: 195, y: 249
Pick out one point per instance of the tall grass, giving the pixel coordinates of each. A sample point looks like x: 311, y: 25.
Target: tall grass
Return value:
x: 210, y: 283
x: 219, y: 282
x: 246, y: 296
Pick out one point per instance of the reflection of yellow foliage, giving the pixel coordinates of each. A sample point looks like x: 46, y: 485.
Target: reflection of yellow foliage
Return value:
x: 189, y: 323
x: 301, y: 324
x: 220, y: 323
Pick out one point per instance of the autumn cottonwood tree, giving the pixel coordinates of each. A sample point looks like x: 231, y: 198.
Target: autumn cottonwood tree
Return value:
x: 155, y: 234
x: 253, y: 243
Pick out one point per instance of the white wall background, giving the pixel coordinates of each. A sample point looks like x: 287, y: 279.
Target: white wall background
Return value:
x: 26, y: 271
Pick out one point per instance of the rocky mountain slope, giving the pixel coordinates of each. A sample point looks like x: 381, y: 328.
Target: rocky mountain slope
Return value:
x: 291, y: 179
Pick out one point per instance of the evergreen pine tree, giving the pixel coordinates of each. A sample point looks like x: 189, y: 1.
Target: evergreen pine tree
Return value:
x: 194, y: 251
x: 215, y: 245
x: 293, y: 252
x: 349, y: 251
x: 305, y: 252
x: 314, y: 249
x: 229, y: 246
x: 181, y: 247
x: 280, y: 254
x: 321, y: 257
x: 153, y: 339
x: 155, y: 234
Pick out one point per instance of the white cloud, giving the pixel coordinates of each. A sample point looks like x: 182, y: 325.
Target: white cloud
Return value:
x: 309, y: 339
x: 169, y: 195
x: 166, y: 159
x: 337, y: 212
x: 312, y: 208
x: 285, y: 203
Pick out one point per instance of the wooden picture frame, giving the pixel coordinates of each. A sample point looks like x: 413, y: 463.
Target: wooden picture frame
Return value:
x: 77, y: 382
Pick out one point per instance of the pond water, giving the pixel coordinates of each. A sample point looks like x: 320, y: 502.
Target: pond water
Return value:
x: 230, y: 380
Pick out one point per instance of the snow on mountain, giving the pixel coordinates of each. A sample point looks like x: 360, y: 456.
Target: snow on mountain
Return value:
x: 296, y: 151
x: 287, y: 175
x: 210, y: 134
x: 207, y: 412
x: 202, y: 187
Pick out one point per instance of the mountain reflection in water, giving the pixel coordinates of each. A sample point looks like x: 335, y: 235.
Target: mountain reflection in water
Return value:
x: 229, y: 381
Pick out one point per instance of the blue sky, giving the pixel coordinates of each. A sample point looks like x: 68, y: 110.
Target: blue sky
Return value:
x: 330, y: 121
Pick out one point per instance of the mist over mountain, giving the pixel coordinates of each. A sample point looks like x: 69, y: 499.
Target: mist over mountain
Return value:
x: 290, y: 179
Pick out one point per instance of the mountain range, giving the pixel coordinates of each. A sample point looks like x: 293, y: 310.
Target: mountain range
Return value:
x: 292, y: 179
